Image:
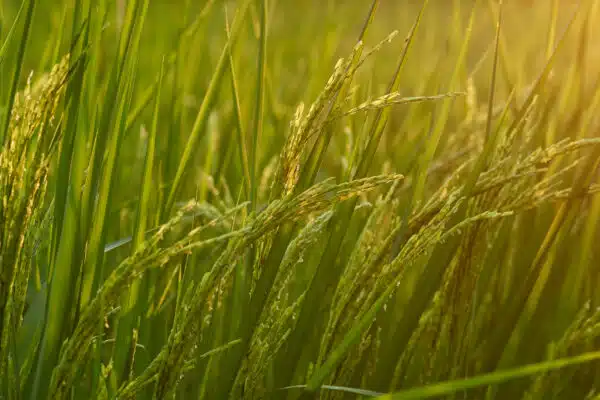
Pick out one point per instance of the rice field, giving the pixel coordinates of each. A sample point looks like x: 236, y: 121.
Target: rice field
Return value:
x: 262, y: 199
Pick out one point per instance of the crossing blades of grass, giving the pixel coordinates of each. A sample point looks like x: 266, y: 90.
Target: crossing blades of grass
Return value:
x: 132, y: 307
x: 327, y: 273
x: 207, y: 103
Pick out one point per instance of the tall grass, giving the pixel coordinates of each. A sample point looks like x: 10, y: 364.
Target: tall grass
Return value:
x: 262, y: 199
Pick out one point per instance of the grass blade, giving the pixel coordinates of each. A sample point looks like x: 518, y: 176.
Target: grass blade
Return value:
x: 207, y: 102
x: 494, y: 378
x: 17, y: 71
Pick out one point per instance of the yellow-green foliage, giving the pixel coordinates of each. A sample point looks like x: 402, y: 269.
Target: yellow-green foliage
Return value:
x: 175, y: 222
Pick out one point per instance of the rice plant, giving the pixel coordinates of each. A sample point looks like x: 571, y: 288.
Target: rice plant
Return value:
x: 260, y: 199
